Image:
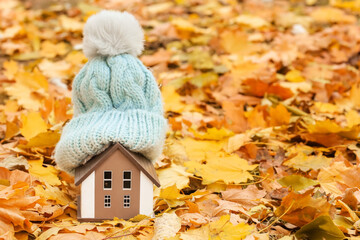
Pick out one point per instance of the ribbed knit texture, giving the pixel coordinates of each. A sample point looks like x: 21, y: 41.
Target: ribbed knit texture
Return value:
x: 116, y: 99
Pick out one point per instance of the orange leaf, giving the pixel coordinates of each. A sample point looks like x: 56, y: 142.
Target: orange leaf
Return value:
x: 282, y: 92
x: 235, y: 119
x: 300, y: 209
x: 279, y: 115
x: 256, y: 87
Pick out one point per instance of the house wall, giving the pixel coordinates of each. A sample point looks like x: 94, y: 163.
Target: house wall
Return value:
x: 117, y: 163
x: 88, y: 197
x: 146, y: 195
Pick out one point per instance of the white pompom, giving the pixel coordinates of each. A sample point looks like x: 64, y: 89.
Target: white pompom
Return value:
x: 109, y: 33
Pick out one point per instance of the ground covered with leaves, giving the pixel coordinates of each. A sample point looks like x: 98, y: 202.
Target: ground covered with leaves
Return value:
x: 262, y: 100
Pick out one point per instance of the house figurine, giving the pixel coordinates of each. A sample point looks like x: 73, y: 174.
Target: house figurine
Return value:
x: 115, y: 183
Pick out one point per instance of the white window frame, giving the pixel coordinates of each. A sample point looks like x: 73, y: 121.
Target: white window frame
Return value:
x: 126, y: 189
x: 126, y: 204
x: 107, y: 205
x: 107, y: 180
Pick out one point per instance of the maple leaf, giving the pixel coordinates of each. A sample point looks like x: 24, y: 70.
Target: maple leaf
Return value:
x: 222, y: 167
x: 300, y: 209
x: 304, y: 163
x: 33, y: 124
x: 224, y: 230
x: 174, y: 174
x: 44, y: 172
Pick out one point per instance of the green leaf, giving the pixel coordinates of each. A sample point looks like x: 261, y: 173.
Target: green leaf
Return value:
x: 321, y: 228
x: 297, y: 182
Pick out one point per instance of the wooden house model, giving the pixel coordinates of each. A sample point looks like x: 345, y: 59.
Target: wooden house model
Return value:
x: 115, y: 183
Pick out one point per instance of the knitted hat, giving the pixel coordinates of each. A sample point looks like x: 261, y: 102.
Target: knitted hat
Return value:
x: 116, y: 98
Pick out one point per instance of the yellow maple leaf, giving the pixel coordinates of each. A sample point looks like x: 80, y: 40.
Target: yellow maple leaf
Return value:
x: 352, y: 118
x: 11, y: 130
x: 355, y: 95
x: 174, y: 174
x: 11, y: 32
x: 173, y: 197
x: 33, y: 124
x: 43, y: 139
x: 11, y: 68
x: 237, y: 42
x: 196, y: 150
x: 34, y: 80
x: 236, y: 141
x: 75, y: 57
x: 45, y: 173
x: 223, y: 229
x: 70, y: 24
x: 332, y: 15
x: 304, y: 163
x: 196, y: 234
x: 321, y: 107
x: 172, y: 193
x: 51, y: 50
x: 252, y: 21
x: 185, y: 25
x: 222, y: 167
x: 59, y: 69
x: 28, y: 89
x: 24, y: 96
x: 52, y: 193
x: 326, y: 126
x: 11, y: 106
x: 294, y: 76
x: 213, y: 133
x: 172, y: 100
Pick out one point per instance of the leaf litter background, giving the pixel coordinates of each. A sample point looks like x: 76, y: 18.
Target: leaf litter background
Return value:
x: 262, y: 100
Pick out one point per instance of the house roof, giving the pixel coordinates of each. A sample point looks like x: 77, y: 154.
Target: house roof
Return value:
x: 143, y: 164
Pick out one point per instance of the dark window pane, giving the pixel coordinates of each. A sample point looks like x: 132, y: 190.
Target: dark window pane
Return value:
x: 107, y: 202
x: 107, y: 175
x: 127, y: 184
x: 107, y: 184
x: 127, y: 175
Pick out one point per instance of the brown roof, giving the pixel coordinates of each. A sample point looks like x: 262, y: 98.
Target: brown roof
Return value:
x: 143, y: 164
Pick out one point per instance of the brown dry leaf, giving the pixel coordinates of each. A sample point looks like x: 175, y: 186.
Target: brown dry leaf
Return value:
x: 235, y: 118
x: 339, y: 176
x: 300, y: 209
x: 166, y: 226
x: 248, y: 197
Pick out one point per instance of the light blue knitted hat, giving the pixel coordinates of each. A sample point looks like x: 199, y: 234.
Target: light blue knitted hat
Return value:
x: 116, y: 98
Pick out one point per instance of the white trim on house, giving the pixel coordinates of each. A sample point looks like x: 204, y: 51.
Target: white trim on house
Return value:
x: 146, y: 195
x: 88, y: 197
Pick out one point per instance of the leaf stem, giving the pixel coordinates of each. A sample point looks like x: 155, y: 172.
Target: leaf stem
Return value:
x: 278, y: 218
